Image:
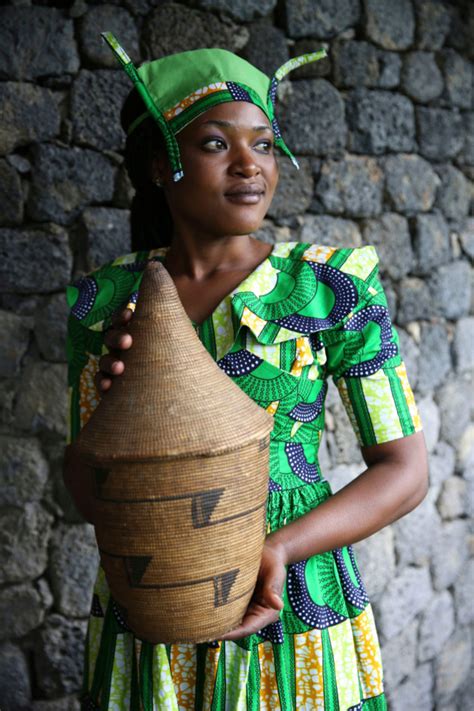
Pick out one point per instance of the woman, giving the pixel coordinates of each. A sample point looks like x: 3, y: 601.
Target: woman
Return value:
x: 295, y: 314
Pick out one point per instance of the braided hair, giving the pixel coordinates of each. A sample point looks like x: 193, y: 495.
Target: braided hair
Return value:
x: 150, y: 217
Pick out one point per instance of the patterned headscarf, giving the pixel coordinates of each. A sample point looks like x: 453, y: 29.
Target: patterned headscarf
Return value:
x: 177, y: 88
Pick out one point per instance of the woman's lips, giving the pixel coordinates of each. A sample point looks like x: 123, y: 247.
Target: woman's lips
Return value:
x: 246, y: 196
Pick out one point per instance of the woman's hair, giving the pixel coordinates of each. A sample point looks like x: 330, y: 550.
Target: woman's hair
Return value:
x: 150, y: 217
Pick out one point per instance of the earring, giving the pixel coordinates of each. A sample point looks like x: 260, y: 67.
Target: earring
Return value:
x: 158, y: 182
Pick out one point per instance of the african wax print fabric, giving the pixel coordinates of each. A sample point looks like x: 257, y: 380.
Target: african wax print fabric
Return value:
x: 305, y: 314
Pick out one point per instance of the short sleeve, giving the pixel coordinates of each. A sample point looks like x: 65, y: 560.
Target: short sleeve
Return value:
x: 364, y: 360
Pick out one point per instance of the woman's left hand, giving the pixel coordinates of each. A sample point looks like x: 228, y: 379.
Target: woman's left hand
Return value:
x: 266, y: 603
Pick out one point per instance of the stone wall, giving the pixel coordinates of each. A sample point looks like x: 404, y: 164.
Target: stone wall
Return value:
x: 384, y: 129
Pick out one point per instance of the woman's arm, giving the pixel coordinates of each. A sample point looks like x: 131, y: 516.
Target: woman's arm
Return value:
x: 394, y: 483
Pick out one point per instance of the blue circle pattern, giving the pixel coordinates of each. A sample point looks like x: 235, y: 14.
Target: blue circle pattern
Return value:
x: 88, y: 288
x: 240, y: 363
x: 376, y: 314
x: 299, y: 465
x: 273, y: 486
x: 237, y: 92
x: 345, y: 293
x: 357, y: 596
x: 319, y: 616
x: 309, y: 411
x: 272, y: 633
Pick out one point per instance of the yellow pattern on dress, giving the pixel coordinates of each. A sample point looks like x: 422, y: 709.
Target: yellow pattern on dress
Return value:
x: 345, y: 664
x: 269, y: 699
x: 368, y: 653
x: 183, y: 673
x: 309, y: 671
x: 410, y: 399
x: 318, y: 253
x: 304, y: 355
x: 88, y: 395
x: 210, y: 673
x: 252, y: 321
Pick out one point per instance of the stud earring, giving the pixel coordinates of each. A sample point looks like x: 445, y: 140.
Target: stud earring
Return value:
x: 158, y: 182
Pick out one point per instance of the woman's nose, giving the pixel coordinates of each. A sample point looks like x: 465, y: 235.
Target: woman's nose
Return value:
x: 244, y: 163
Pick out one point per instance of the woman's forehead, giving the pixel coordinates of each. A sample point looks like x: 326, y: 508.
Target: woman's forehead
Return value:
x: 232, y: 115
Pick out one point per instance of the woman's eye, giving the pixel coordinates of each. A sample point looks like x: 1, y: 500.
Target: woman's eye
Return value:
x: 214, y: 144
x: 265, y: 146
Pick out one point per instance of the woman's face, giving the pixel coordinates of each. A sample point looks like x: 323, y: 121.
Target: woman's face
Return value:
x: 230, y: 171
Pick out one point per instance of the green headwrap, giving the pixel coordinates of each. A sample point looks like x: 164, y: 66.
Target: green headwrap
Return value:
x: 177, y: 88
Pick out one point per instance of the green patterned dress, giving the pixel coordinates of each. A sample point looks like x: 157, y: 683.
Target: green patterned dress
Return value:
x: 305, y: 314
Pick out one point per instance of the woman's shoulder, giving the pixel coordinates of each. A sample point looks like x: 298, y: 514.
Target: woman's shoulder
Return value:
x: 358, y: 262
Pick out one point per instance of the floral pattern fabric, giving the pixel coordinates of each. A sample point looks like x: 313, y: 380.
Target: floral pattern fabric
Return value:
x: 305, y: 314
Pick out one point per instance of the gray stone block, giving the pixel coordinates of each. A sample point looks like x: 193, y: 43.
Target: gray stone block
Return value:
x: 465, y: 457
x: 450, y: 290
x: 416, y: 534
x: 466, y: 237
x: 351, y: 187
x: 34, y: 261
x: 67, y: 703
x: 430, y: 419
x: 14, y: 342
x: 8, y: 391
x: 21, y: 164
x: 458, y: 79
x: 463, y: 588
x: 24, y: 537
x: 267, y: 48
x: 174, y: 28
x: 51, y: 327
x: 463, y: 344
x: 312, y: 18
x: 421, y: 78
x: 388, y: 24
x: 111, y: 18
x: 441, y: 462
x: 331, y: 231
x: 29, y: 113
x: 355, y: 64
x: 15, y: 687
x: 65, y: 180
x: 411, y: 183
x: 313, y: 70
x: 73, y: 568
x: 452, y: 666
x: 440, y: 133
x: 59, y: 652
x: 435, y: 359
x: 410, y: 353
x: 107, y: 232
x: 453, y: 499
x: 294, y: 191
x: 453, y: 193
x: 399, y: 656
x: 23, y: 471
x: 455, y: 400
x: 11, y: 195
x: 240, y: 10
x: 106, y: 91
x: 432, y: 23
x: 376, y: 561
x: 467, y: 154
x: 309, y: 133
x: 380, y: 121
x: 345, y: 447
x: 450, y: 553
x: 42, y: 401
x: 436, y: 627
x: 124, y: 190
x: 408, y: 594
x: 46, y: 39
x: 390, y: 66
x: 414, y: 300
x: 21, y: 610
x: 415, y: 693
x: 389, y: 234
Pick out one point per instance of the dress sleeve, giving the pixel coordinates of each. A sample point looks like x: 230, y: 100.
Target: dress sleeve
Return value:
x: 364, y: 360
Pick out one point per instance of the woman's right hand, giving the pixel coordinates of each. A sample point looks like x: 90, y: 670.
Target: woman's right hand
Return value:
x: 117, y: 339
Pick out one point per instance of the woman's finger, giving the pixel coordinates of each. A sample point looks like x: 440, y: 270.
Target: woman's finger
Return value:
x: 110, y: 364
x: 255, y: 619
x: 118, y: 339
x: 121, y: 318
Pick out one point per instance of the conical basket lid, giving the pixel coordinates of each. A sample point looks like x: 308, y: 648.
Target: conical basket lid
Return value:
x: 172, y: 400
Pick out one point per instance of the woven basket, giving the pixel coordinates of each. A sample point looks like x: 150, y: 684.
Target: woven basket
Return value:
x: 180, y: 455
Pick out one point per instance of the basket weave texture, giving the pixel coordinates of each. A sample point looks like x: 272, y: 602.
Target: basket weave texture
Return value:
x: 180, y: 459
